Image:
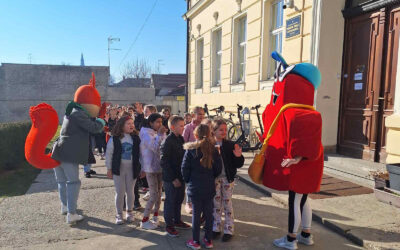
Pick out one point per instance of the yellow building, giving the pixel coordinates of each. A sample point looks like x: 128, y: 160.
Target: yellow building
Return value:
x: 229, y: 46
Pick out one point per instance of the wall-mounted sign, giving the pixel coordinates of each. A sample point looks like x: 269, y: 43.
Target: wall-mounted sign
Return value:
x: 358, y: 86
x: 293, y: 26
x: 180, y: 98
x: 358, y: 76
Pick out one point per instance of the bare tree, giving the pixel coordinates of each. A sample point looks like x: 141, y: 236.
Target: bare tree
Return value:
x: 137, y: 69
x: 157, y: 68
x: 112, y: 79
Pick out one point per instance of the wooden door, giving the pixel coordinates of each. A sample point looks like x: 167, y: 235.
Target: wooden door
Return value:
x: 389, y: 79
x: 361, y: 81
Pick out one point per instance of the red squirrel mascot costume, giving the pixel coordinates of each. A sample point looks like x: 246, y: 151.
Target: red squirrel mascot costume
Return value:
x: 72, y: 147
x: 293, y: 152
x: 45, y: 123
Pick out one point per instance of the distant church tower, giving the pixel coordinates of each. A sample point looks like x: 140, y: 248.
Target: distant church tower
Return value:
x: 82, y: 60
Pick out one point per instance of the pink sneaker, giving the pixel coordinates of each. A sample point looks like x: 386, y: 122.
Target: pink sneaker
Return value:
x: 208, y: 243
x: 193, y: 244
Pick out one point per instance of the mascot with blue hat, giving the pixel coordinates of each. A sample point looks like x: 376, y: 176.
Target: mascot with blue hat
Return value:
x: 291, y: 158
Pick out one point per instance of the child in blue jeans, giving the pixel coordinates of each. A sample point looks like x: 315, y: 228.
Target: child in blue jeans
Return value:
x: 201, y: 165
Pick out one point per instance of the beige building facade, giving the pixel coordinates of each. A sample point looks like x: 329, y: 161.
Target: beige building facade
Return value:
x: 229, y: 63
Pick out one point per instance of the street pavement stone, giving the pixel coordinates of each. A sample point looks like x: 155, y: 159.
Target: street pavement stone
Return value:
x: 33, y: 221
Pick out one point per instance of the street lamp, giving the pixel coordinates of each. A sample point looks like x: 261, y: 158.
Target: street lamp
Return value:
x: 110, y: 41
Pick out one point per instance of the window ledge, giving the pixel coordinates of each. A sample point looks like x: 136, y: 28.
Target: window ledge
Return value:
x: 237, y: 87
x: 238, y: 83
x: 267, y: 84
x: 216, y: 89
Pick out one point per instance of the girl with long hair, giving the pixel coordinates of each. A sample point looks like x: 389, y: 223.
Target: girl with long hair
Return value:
x: 122, y: 161
x: 201, y: 165
x: 152, y: 136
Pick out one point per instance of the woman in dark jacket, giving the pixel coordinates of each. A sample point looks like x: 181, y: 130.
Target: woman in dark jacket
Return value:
x: 201, y: 165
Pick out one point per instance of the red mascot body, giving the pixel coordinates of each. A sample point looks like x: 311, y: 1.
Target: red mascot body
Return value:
x: 297, y: 132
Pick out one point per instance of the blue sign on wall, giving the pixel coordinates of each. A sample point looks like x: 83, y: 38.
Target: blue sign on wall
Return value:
x: 293, y: 26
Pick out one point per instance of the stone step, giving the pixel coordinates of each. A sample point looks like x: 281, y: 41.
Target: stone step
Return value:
x: 355, y: 170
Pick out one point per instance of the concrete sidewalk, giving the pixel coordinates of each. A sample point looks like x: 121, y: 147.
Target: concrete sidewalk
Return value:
x: 33, y: 221
x: 360, y: 218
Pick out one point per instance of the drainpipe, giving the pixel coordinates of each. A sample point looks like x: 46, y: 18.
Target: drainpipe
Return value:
x: 315, y: 33
x: 187, y: 60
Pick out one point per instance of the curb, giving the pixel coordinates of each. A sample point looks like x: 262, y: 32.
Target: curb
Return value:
x: 326, y: 223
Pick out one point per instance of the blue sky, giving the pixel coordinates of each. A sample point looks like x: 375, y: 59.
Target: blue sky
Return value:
x: 55, y: 31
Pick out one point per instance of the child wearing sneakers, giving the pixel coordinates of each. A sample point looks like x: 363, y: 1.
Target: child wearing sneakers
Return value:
x: 232, y: 159
x: 171, y: 160
x: 152, y: 135
x: 122, y: 161
x: 201, y: 165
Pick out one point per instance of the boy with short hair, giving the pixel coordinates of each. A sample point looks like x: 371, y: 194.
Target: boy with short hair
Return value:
x: 172, y: 153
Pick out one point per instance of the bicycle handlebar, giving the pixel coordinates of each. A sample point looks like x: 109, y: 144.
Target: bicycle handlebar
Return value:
x: 256, y: 107
x: 220, y: 108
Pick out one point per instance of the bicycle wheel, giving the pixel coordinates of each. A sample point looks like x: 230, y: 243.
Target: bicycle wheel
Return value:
x: 253, y: 139
x: 234, y: 133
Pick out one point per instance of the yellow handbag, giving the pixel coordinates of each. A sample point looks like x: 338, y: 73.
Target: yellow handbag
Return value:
x: 256, y: 168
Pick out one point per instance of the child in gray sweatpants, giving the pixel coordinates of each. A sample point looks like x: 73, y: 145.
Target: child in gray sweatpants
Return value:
x: 122, y: 161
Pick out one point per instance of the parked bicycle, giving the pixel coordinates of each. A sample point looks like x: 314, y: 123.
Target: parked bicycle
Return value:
x: 259, y: 123
x: 219, y: 113
x: 248, y: 139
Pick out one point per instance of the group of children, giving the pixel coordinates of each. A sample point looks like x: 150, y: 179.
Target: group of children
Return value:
x: 206, y: 164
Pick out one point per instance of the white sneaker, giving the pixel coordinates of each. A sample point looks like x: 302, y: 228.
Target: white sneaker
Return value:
x: 306, y: 241
x: 146, y: 197
x: 64, y: 209
x: 155, y: 221
x: 119, y: 220
x: 130, y: 217
x: 284, y: 243
x: 72, y: 219
x: 148, y: 225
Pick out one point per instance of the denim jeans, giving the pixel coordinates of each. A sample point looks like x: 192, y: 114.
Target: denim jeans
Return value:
x: 173, y: 203
x: 205, y: 206
x: 87, y: 167
x: 188, y: 199
x: 67, y: 177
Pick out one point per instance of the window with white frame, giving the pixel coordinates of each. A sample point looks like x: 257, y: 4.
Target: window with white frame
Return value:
x: 276, y: 34
x: 217, y: 57
x: 199, y: 63
x: 241, y: 49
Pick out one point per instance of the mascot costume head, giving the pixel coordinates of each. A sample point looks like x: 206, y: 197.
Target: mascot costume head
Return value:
x: 292, y: 129
x: 45, y: 123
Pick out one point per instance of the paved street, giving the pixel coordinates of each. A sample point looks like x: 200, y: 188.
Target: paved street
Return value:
x: 33, y: 221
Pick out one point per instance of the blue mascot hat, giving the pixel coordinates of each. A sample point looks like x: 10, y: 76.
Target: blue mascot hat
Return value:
x: 306, y: 70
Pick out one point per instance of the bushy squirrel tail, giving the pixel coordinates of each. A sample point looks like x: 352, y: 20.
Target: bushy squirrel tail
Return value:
x: 44, y: 126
